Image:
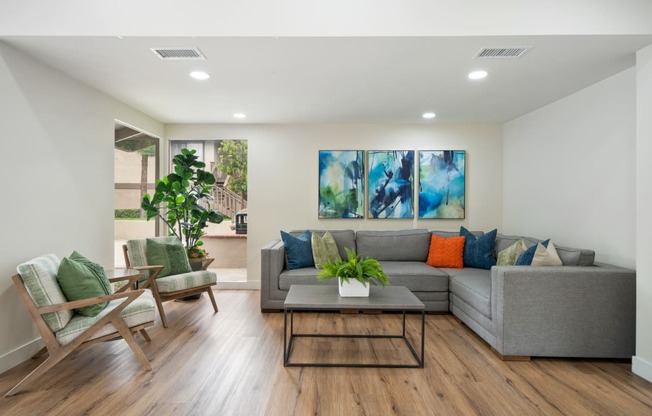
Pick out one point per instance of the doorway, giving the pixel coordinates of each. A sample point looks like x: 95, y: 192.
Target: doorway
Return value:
x: 136, y: 167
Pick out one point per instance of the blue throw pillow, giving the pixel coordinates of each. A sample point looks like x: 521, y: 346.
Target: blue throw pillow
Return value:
x: 298, y: 250
x: 479, y: 251
x: 525, y: 259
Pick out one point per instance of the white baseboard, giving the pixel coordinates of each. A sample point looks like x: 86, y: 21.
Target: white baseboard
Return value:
x: 20, y: 354
x: 642, y: 368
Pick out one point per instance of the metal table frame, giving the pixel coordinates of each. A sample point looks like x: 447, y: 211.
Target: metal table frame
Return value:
x: 288, y: 341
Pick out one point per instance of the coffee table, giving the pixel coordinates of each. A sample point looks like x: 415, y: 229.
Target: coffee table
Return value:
x: 319, y: 298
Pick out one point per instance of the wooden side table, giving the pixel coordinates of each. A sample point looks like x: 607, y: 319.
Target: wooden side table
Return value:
x: 122, y: 274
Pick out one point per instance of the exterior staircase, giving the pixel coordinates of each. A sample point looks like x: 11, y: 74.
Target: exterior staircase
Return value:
x: 227, y: 202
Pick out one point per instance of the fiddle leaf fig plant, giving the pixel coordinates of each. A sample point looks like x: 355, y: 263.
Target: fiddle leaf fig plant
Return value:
x: 365, y: 270
x: 178, y: 199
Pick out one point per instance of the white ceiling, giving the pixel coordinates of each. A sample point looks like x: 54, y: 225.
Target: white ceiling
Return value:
x: 336, y: 79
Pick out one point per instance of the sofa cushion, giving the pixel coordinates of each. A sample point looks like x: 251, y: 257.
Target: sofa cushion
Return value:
x: 525, y: 259
x: 473, y: 286
x: 344, y: 239
x: 302, y: 276
x: 416, y: 276
x: 479, y: 251
x: 569, y: 256
x: 447, y: 234
x: 298, y: 250
x: 508, y: 256
x: 575, y: 256
x: 446, y: 252
x: 404, y: 245
x: 324, y: 249
x: 546, y: 256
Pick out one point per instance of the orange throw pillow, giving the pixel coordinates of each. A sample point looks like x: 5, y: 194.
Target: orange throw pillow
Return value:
x: 446, y: 252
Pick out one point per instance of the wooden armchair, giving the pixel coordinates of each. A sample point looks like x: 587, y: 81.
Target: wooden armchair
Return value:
x: 166, y: 288
x: 64, y: 331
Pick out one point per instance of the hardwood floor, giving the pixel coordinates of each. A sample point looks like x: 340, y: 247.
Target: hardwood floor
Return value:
x: 230, y: 363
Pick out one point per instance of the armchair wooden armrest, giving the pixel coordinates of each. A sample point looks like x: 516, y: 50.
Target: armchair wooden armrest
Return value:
x: 205, y: 262
x: 76, y: 304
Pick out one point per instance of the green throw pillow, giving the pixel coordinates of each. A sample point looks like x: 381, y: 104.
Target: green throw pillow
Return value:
x: 81, y: 278
x: 171, y: 255
x: 508, y: 256
x: 324, y: 249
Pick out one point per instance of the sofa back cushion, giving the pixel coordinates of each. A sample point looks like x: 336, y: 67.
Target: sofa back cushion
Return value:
x: 343, y: 238
x: 403, y: 245
x: 569, y: 256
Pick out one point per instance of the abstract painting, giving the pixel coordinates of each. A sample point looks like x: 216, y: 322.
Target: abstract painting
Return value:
x: 391, y: 184
x: 441, y: 184
x: 341, y: 184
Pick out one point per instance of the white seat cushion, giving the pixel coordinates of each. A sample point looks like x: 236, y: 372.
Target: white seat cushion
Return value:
x: 185, y: 281
x: 140, y: 311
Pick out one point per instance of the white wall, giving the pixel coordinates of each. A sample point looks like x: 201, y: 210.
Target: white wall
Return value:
x: 569, y: 171
x: 283, y: 173
x: 57, y: 180
x: 642, y: 362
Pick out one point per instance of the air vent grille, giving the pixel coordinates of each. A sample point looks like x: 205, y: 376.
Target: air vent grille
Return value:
x: 502, y: 52
x: 179, y: 53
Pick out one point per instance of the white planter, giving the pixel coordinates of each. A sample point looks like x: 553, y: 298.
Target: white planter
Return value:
x: 353, y: 289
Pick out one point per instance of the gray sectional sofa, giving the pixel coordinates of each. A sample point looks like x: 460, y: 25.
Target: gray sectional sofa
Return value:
x: 580, y: 309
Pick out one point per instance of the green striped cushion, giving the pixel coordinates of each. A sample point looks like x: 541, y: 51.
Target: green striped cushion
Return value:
x: 140, y: 311
x: 138, y: 249
x: 185, y: 281
x: 40, y: 277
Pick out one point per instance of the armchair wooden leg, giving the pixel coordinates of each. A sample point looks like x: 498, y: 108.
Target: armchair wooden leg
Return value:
x: 50, y: 362
x: 145, y: 335
x: 40, y: 352
x: 210, y: 295
x: 129, y: 337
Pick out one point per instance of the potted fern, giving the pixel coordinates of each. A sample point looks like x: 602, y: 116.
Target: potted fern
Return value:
x: 355, y: 274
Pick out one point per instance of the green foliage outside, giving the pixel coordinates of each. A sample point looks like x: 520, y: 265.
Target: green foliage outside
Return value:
x: 179, y: 196
x: 365, y: 270
x: 127, y: 214
x: 233, y: 162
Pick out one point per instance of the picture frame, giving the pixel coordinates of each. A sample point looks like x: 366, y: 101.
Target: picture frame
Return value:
x: 442, y: 189
x: 390, y: 184
x: 341, y: 184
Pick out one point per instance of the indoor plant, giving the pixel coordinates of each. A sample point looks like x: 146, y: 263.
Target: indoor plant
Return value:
x: 355, y: 274
x: 179, y: 200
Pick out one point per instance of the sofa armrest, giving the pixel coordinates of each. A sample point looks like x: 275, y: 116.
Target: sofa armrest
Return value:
x: 564, y: 311
x: 272, y: 263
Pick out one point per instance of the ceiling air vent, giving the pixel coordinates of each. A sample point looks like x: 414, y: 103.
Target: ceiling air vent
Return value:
x: 502, y: 52
x: 179, y: 53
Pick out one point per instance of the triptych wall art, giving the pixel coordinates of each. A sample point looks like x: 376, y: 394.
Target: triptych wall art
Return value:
x: 390, y: 176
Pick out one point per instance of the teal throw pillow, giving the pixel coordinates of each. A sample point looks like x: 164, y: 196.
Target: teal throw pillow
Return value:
x: 479, y: 251
x: 171, y: 255
x: 80, y: 278
x: 525, y: 259
x: 298, y: 250
x: 324, y: 249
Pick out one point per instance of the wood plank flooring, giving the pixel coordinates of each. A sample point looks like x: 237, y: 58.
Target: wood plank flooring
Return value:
x: 230, y: 363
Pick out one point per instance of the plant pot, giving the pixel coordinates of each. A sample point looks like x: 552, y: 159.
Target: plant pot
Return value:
x: 353, y: 289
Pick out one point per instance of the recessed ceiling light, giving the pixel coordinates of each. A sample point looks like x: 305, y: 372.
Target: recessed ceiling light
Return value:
x: 428, y: 115
x: 199, y: 75
x: 477, y: 74
x: 240, y: 115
